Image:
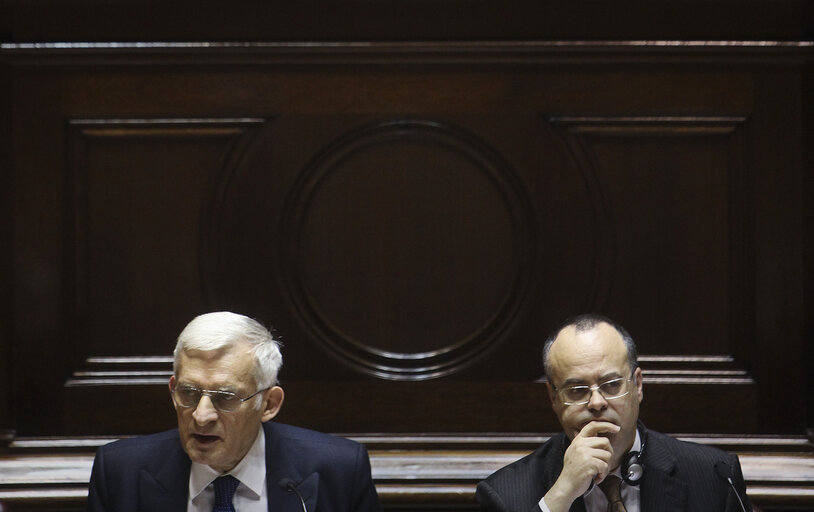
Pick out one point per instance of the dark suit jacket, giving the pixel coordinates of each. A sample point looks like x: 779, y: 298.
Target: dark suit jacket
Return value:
x: 678, y: 477
x: 151, y: 473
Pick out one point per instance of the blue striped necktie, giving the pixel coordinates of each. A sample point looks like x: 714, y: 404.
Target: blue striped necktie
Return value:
x: 225, y: 487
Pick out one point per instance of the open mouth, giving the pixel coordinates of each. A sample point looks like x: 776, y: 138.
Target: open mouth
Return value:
x: 204, y: 439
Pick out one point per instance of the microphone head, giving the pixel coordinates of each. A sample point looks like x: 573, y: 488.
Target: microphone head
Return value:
x: 286, y: 484
x: 722, y: 470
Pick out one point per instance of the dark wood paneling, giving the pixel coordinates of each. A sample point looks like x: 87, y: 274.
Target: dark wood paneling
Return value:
x: 139, y: 187
x: 412, y: 218
x: 6, y: 242
x: 778, y: 255
x: 671, y: 383
x: 808, y: 230
x: 387, y: 212
x: 128, y: 20
x: 664, y: 184
x: 41, y: 344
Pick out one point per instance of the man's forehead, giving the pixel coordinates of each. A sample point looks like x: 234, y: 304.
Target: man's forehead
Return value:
x: 600, y: 343
x: 232, y: 363
x: 600, y: 331
x: 237, y: 348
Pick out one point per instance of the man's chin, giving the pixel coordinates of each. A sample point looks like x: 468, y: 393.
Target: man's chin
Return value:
x: 215, y: 459
x: 202, y: 452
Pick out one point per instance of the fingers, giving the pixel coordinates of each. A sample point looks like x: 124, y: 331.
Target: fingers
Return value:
x: 588, y: 458
x: 595, y: 428
x: 595, y: 462
x: 598, y: 450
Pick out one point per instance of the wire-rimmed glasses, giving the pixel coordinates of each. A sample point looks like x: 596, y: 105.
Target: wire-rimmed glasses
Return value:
x: 223, y: 401
x: 581, y: 394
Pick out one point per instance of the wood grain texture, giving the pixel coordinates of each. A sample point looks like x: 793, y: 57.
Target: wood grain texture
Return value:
x: 412, y: 217
x: 312, y: 20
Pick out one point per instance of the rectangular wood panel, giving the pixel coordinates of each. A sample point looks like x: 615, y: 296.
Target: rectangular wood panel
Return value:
x: 140, y: 186
x: 413, y: 218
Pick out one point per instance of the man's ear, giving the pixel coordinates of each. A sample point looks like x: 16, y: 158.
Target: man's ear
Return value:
x: 273, y: 401
x: 551, y: 393
x: 637, y: 375
x: 171, y: 385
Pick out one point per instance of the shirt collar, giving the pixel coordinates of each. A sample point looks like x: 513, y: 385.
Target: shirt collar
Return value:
x: 637, y: 447
x: 251, y: 470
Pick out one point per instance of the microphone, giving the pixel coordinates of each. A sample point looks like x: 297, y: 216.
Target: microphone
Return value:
x: 722, y: 470
x: 287, y: 484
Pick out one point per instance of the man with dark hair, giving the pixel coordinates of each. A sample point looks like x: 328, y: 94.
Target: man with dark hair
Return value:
x: 605, y: 459
x: 226, y: 455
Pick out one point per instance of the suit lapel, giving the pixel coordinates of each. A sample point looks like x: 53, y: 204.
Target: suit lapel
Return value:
x: 280, y: 464
x: 660, y: 490
x: 550, y: 467
x: 308, y: 489
x: 282, y: 500
x: 167, y: 489
x: 548, y: 464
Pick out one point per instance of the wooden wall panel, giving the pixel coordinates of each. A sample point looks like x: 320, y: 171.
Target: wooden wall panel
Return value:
x: 383, y: 214
x: 449, y: 20
x: 6, y: 225
x: 665, y: 185
x: 41, y: 343
x: 412, y: 219
x: 139, y: 185
x: 808, y: 237
x: 778, y: 274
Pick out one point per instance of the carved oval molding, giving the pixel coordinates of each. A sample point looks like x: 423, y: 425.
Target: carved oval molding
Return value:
x: 406, y: 248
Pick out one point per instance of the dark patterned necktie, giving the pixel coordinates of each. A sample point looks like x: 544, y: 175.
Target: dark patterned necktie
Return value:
x: 225, y: 487
x: 612, y: 486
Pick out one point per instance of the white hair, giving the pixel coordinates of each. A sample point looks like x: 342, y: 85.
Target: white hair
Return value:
x: 222, y: 329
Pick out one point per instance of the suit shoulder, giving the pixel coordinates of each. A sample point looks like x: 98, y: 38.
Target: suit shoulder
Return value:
x: 296, y: 435
x: 526, y: 468
x: 689, y: 455
x: 143, y: 446
x: 341, y: 462
x: 681, y: 448
x: 521, y: 484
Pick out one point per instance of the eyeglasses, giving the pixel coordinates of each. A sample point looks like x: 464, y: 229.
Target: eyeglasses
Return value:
x: 581, y: 395
x: 223, y: 401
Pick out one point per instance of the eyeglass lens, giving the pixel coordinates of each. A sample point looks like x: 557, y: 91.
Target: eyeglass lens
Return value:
x: 221, y: 400
x: 609, y: 390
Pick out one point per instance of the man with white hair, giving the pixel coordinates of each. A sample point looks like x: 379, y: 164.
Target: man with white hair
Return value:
x: 225, y: 455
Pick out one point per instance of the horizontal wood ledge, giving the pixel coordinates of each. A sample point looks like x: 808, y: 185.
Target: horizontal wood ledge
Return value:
x: 420, y: 470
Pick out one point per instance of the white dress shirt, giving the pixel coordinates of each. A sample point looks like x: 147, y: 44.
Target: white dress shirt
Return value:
x: 595, y: 499
x: 251, y: 495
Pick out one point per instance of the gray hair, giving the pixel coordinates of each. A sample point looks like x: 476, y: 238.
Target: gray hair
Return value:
x: 216, y: 331
x: 586, y: 322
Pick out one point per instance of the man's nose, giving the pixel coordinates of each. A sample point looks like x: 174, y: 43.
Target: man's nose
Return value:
x: 205, y: 411
x: 597, y: 402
